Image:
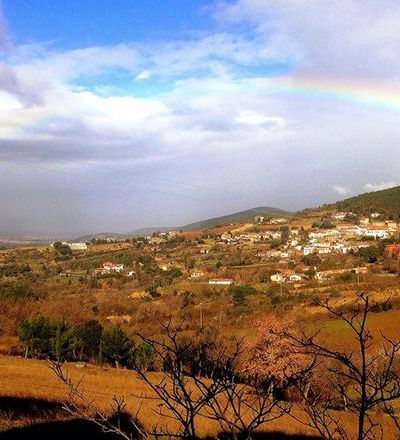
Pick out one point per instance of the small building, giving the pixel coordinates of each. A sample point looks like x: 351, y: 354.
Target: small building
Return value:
x: 221, y: 281
x: 196, y: 275
x: 226, y: 236
x: 278, y: 278
x: 77, y: 246
x: 309, y: 250
x: 278, y: 221
x: 294, y: 277
x: 109, y: 267
x: 375, y: 232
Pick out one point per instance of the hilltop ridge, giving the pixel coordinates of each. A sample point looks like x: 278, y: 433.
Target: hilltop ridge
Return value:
x: 385, y: 202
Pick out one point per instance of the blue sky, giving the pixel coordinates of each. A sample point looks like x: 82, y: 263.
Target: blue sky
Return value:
x: 76, y: 23
x: 121, y: 114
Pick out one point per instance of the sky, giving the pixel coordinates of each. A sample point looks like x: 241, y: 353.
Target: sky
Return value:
x: 121, y: 114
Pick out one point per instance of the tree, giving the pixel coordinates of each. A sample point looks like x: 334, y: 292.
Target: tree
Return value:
x: 370, y: 254
x: 273, y: 356
x: 80, y: 406
x: 143, y: 356
x: 36, y: 336
x: 182, y: 391
x: 363, y: 379
x: 115, y: 345
x: 284, y: 235
x: 88, y: 339
x: 64, y: 341
x: 240, y: 294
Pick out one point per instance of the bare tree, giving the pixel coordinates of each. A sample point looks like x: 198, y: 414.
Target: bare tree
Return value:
x: 255, y: 391
x: 81, y: 406
x: 185, y: 388
x: 363, y: 379
x: 212, y: 380
x: 242, y: 408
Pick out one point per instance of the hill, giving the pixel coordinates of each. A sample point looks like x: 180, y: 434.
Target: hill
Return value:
x: 101, y: 236
x: 238, y: 217
x: 385, y: 201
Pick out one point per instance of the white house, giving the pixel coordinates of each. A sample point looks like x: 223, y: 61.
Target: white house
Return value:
x: 113, y: 267
x: 226, y: 236
x: 308, y: 250
x: 196, y: 275
x: 221, y: 281
x: 339, y: 215
x: 277, y: 221
x: 294, y: 277
x: 77, y: 246
x: 278, y: 278
x: 375, y: 232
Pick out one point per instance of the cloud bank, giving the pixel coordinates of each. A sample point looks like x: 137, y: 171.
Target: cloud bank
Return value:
x: 166, y: 132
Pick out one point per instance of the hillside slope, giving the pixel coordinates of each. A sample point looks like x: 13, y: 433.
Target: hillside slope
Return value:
x: 239, y: 217
x: 386, y: 202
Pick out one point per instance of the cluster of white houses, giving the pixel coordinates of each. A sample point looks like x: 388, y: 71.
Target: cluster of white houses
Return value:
x: 290, y: 276
x: 109, y: 268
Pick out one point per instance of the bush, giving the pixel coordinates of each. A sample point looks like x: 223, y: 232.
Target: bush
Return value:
x: 16, y: 290
x: 240, y: 293
x: 335, y: 293
x: 14, y: 269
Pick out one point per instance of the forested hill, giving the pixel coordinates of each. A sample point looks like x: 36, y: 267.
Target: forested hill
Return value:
x: 386, y: 202
x: 238, y: 217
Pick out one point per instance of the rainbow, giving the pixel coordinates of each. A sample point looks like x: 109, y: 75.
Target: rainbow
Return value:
x: 355, y: 92
x: 309, y: 87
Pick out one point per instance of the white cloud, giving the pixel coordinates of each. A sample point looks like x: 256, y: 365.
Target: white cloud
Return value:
x: 231, y: 115
x: 145, y: 74
x: 380, y: 186
x: 248, y: 117
x: 351, y: 39
x: 342, y: 190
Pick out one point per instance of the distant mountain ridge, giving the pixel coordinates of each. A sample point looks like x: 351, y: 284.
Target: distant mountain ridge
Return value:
x: 236, y: 217
x: 386, y: 201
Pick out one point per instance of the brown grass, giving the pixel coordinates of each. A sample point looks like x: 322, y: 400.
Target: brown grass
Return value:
x: 26, y: 378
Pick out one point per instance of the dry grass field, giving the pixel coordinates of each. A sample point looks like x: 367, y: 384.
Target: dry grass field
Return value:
x: 33, y: 379
x: 27, y: 378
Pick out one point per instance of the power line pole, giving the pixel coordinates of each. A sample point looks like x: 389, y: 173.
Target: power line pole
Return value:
x: 201, y: 316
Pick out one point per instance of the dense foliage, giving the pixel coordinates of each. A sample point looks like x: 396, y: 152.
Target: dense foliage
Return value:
x: 386, y: 202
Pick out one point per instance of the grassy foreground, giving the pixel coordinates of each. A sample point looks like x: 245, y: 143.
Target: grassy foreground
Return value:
x: 26, y: 379
x: 33, y: 379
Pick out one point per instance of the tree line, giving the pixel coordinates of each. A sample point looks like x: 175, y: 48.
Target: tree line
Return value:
x: 46, y: 338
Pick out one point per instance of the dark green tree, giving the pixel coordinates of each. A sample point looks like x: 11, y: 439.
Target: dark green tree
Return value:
x: 143, y: 356
x: 115, y: 346
x: 36, y: 336
x: 88, y: 337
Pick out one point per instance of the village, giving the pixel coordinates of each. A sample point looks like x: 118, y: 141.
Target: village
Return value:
x: 299, y: 251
